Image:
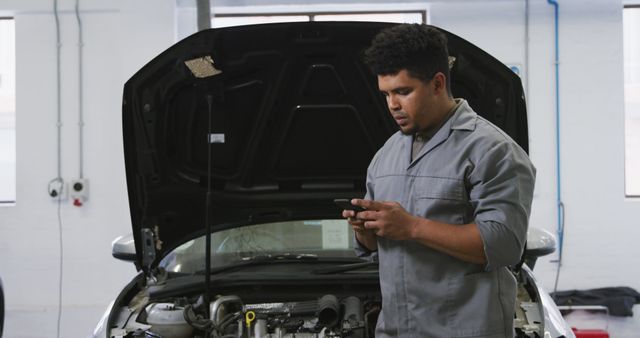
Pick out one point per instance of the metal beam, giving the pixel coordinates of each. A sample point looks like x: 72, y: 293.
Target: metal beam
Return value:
x: 204, y: 14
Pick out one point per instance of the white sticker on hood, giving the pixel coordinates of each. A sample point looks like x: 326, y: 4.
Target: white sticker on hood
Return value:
x: 335, y: 234
x: 216, y: 138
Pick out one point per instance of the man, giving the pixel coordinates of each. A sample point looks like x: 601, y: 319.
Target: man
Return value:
x: 448, y: 200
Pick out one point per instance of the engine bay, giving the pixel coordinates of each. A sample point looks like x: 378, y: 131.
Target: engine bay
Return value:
x: 229, y: 316
x: 328, y: 309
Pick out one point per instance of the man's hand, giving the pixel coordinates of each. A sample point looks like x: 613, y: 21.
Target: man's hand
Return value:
x: 391, y: 220
x: 387, y: 219
x: 364, y: 236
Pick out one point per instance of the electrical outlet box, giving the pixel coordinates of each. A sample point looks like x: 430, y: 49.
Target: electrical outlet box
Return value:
x: 79, y: 191
x: 58, y: 190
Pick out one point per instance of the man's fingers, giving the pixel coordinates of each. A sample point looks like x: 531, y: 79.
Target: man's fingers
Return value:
x: 367, y: 215
x: 374, y: 205
x: 348, y: 213
x: 367, y: 204
x: 372, y: 225
x: 390, y: 203
x: 358, y: 228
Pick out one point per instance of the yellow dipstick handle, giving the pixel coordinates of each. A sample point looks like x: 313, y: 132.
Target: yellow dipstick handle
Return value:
x: 249, y: 317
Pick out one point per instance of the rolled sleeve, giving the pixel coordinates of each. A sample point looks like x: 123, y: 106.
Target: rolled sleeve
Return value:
x: 501, y: 192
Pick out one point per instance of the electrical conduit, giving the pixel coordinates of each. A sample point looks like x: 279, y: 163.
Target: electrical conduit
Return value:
x: 560, y: 204
x: 80, y: 93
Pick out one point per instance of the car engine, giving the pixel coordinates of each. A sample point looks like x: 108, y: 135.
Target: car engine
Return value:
x: 328, y: 316
x: 287, y: 311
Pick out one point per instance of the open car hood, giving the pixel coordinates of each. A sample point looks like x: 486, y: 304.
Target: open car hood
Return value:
x: 275, y: 121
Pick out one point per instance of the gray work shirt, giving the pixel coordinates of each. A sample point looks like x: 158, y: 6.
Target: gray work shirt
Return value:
x: 468, y: 172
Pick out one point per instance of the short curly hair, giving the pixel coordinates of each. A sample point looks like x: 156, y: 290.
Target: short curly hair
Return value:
x: 420, y: 49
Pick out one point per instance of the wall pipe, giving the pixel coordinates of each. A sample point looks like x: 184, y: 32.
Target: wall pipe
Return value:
x: 58, y: 94
x: 58, y: 180
x: 527, y: 14
x: 80, y: 93
x: 560, y: 204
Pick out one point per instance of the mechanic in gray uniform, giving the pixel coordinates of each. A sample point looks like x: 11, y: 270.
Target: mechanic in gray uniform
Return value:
x: 448, y: 200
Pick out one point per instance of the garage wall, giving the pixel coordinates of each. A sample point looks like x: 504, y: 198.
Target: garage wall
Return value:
x: 120, y: 36
x: 601, y: 226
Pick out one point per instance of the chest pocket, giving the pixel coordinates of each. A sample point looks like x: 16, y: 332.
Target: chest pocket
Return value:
x: 427, y: 187
x: 441, y: 198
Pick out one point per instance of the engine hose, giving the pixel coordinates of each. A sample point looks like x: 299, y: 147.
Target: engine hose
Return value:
x: 328, y: 309
x: 228, y: 319
x: 196, y: 321
x: 352, y: 309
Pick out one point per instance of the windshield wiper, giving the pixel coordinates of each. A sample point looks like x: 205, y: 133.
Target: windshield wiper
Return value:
x: 284, y: 256
x: 344, y: 268
x: 262, y: 259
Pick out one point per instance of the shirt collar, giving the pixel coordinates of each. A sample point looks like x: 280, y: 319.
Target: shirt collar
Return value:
x: 464, y: 118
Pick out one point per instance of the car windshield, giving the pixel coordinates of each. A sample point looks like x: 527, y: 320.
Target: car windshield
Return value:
x: 327, y: 238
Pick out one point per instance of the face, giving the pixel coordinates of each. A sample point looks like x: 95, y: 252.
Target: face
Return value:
x: 412, y: 102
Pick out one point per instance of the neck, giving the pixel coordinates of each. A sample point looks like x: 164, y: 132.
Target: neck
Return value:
x: 447, y: 106
x: 445, y: 110
x: 450, y: 104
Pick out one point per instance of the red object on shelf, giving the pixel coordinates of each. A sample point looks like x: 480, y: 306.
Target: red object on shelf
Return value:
x: 590, y: 333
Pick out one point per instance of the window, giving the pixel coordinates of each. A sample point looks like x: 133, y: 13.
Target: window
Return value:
x: 238, y: 20
x: 631, y: 31
x: 226, y: 16
x: 229, y: 16
x: 7, y: 112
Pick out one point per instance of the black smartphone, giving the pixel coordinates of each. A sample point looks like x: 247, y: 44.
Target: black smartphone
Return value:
x: 345, y: 204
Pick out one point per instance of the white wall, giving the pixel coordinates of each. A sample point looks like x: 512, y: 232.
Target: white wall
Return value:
x: 120, y: 36
x: 602, y: 227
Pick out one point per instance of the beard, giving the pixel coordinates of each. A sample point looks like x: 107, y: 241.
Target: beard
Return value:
x: 406, y: 125
x: 408, y: 131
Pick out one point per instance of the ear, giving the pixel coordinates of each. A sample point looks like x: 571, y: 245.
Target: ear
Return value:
x: 439, y: 83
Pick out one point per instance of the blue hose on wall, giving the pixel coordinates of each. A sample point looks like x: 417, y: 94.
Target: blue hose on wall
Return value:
x: 560, y: 205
